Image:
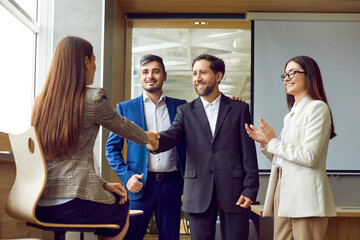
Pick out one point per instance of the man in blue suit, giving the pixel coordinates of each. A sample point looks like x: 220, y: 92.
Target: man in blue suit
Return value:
x: 154, y: 182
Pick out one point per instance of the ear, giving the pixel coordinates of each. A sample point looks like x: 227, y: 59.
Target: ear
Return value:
x: 87, y: 62
x: 219, y: 77
x: 165, y: 75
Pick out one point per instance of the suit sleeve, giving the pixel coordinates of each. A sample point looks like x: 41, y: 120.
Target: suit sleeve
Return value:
x: 263, y: 149
x: 174, y: 135
x: 108, y: 118
x: 251, y: 179
x: 113, y: 149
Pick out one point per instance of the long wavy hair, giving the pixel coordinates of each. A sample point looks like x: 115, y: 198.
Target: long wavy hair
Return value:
x: 314, y: 84
x: 58, y: 109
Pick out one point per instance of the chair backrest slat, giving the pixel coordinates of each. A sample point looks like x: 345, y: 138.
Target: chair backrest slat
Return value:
x: 30, y: 176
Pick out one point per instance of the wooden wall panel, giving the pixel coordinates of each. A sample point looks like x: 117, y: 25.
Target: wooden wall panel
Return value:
x: 118, y: 85
x: 239, y: 6
x: 4, y: 142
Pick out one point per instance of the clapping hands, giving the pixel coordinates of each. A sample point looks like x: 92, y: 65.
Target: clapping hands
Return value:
x: 153, y: 140
x: 262, y: 135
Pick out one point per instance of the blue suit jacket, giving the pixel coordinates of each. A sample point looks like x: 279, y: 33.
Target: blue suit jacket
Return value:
x: 137, y: 156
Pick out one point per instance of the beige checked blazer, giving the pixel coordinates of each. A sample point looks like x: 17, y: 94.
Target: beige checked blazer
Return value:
x: 75, y: 177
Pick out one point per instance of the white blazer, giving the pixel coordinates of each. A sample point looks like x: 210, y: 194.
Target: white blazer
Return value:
x: 305, y: 189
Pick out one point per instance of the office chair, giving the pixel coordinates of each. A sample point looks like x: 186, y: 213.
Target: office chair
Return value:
x: 29, y: 184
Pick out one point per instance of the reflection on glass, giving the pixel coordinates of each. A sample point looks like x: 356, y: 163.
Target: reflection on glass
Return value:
x: 179, y: 46
x: 16, y: 75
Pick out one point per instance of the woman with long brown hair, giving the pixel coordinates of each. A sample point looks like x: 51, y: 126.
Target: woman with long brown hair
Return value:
x: 67, y: 115
x: 299, y: 194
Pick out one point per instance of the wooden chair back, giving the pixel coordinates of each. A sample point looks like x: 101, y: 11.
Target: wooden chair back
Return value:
x: 30, y: 182
x: 30, y: 176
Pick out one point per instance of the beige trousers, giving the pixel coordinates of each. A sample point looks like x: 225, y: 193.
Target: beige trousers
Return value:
x: 306, y: 228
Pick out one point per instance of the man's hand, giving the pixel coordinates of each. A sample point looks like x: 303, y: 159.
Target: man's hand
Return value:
x: 133, y: 184
x: 238, y: 99
x: 153, y: 140
x: 119, y: 189
x: 244, y: 202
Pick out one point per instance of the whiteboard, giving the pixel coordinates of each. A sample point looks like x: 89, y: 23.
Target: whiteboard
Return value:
x: 335, y: 46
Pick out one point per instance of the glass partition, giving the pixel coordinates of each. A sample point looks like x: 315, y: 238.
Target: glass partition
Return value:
x: 179, y: 46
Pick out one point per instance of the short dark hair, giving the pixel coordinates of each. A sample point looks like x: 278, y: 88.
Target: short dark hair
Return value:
x: 216, y: 64
x: 150, y: 58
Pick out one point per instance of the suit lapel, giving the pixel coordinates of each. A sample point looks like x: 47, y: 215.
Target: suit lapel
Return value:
x: 223, y: 110
x: 171, y: 109
x: 199, y: 111
x: 286, y: 119
x: 141, y: 114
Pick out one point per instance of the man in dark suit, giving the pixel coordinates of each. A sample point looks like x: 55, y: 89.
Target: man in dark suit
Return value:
x: 221, y: 174
x: 155, y: 183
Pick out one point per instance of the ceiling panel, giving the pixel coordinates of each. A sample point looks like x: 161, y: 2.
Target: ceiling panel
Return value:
x: 239, y: 6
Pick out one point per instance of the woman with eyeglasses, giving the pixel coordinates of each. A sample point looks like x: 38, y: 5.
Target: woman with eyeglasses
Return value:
x: 299, y: 194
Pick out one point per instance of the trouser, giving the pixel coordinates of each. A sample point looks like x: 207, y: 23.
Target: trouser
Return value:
x: 286, y: 228
x: 163, y: 197
x: 232, y: 225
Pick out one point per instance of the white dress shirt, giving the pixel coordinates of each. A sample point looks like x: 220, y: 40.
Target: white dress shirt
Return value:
x: 295, y: 109
x: 212, y: 110
x: 157, y: 117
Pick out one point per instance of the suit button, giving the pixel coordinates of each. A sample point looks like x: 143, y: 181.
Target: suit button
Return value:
x: 211, y: 171
x: 213, y: 151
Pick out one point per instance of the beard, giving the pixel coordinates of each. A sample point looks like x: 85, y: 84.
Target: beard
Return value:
x: 152, y: 89
x: 206, y: 91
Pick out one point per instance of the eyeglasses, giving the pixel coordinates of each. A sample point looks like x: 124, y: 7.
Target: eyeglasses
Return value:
x: 290, y: 75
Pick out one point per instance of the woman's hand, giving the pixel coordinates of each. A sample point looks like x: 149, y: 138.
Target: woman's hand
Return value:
x: 262, y: 135
x: 267, y: 131
x: 119, y: 189
x: 255, y: 134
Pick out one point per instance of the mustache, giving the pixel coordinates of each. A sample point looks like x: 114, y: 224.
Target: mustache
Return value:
x: 152, y: 79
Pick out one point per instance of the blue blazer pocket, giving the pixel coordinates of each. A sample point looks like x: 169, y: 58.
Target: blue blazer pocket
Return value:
x: 236, y: 173
x: 190, y: 174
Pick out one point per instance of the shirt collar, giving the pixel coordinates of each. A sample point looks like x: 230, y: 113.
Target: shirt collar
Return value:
x: 215, y: 102
x: 146, y: 98
x: 296, y: 108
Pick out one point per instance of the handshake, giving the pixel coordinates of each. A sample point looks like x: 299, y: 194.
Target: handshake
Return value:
x: 152, y: 140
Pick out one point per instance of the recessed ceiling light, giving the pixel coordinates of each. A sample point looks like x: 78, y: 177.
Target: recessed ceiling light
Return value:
x: 199, y: 23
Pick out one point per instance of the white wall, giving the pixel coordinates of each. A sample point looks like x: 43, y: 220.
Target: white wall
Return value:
x: 82, y: 18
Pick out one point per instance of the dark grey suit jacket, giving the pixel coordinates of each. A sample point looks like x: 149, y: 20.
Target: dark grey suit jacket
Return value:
x: 227, y: 160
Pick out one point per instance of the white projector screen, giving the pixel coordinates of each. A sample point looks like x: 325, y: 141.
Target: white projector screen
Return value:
x: 335, y: 46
